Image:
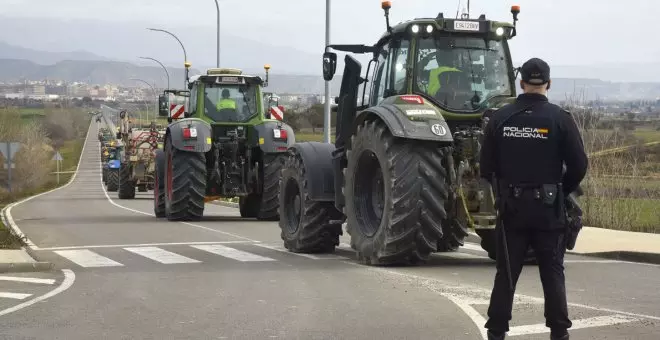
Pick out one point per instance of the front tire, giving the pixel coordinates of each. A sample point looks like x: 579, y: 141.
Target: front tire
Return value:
x: 395, y: 196
x: 126, y: 185
x: 185, y: 184
x: 306, y: 226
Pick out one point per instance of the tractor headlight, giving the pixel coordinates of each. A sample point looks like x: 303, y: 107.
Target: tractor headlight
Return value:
x: 415, y: 29
x: 499, y: 31
x: 429, y: 28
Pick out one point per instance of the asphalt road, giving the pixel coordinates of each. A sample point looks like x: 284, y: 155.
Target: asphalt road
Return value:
x: 123, y: 274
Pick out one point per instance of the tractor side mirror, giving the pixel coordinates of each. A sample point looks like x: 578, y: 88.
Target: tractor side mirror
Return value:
x: 329, y: 65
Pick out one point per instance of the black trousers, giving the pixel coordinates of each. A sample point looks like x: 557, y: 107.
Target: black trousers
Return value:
x: 549, y: 249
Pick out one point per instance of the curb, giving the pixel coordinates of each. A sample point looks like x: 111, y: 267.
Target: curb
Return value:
x: 25, y: 267
x: 622, y: 255
x: 226, y: 204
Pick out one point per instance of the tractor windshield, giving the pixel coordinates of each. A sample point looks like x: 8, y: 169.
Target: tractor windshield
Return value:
x: 230, y: 103
x: 462, y: 73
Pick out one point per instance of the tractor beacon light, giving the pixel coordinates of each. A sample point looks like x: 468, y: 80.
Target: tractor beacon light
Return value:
x: 386, y: 5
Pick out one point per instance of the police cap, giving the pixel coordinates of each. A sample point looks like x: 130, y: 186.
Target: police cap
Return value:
x: 535, y: 72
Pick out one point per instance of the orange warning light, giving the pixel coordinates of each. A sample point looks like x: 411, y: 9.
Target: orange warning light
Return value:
x: 386, y: 4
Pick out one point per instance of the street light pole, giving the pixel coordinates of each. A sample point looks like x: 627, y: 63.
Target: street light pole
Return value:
x: 154, y: 92
x: 217, y: 8
x: 164, y: 68
x: 185, y: 56
x: 326, y: 114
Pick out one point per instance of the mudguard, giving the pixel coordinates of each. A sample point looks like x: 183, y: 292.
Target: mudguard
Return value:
x: 317, y: 158
x: 202, y: 143
x: 267, y: 143
x: 431, y: 128
x: 114, y: 164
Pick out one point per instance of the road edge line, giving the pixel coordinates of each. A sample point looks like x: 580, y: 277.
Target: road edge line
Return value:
x: 6, y: 212
x: 69, y: 279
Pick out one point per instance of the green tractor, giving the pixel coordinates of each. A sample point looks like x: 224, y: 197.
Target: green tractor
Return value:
x: 224, y: 145
x: 138, y: 165
x: 403, y: 173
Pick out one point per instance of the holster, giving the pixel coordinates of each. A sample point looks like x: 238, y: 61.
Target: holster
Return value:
x: 573, y: 221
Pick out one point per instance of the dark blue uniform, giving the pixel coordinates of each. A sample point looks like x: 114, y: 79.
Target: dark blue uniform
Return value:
x: 526, y: 145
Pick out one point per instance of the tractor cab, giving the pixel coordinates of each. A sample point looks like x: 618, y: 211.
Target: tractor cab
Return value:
x: 226, y: 96
x: 460, y: 66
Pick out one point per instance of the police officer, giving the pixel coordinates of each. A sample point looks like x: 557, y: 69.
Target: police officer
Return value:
x: 526, y: 144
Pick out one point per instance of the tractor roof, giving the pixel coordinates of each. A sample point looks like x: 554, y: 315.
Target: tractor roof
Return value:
x: 479, y: 26
x: 226, y: 76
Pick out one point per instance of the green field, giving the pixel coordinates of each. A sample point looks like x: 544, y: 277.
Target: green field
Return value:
x: 647, y: 134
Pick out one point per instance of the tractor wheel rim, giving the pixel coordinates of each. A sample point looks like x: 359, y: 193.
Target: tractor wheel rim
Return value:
x: 293, y: 205
x: 170, y: 176
x: 368, y: 193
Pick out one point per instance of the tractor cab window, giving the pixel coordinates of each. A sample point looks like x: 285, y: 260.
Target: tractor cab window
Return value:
x: 461, y: 73
x: 230, y: 103
x: 391, y: 71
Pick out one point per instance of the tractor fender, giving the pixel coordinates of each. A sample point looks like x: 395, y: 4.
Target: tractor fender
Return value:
x: 202, y: 143
x: 266, y: 139
x: 318, y: 161
x: 433, y: 129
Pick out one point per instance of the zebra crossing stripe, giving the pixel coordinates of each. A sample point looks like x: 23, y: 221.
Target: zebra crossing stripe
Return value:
x: 87, y: 258
x: 309, y: 256
x: 17, y: 296
x: 232, y: 253
x: 161, y: 255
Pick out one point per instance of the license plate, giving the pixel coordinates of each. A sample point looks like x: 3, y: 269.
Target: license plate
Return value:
x: 466, y: 26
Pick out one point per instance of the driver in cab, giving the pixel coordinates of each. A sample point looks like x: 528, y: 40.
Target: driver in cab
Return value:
x: 225, y: 103
x: 446, y: 63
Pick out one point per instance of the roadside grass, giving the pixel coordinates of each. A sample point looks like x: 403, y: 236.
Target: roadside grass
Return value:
x: 647, y: 134
x: 626, y: 214
x: 71, y: 152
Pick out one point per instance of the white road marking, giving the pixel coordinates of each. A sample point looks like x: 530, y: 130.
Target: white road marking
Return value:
x: 232, y: 253
x: 27, y: 279
x: 17, y: 296
x: 309, y: 256
x: 69, y: 278
x: 87, y: 258
x: 458, y: 255
x: 598, y: 321
x: 6, y: 212
x: 465, y: 293
x: 145, y: 245
x: 473, y: 246
x: 161, y: 255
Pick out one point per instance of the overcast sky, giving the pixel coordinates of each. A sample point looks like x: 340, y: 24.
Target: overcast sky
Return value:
x: 567, y: 32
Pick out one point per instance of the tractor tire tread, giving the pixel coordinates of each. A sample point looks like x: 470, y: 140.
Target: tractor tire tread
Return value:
x: 316, y: 232
x: 419, y: 193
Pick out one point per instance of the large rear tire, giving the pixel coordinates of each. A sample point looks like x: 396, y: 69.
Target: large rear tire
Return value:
x: 185, y: 184
x: 395, y: 196
x: 306, y: 225
x: 126, y: 185
x: 159, y: 185
x: 112, y: 180
x: 270, y: 203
